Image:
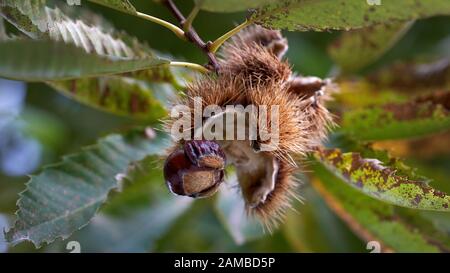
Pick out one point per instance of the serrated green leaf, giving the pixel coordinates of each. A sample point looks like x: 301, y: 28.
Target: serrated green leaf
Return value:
x: 321, y: 15
x: 39, y: 60
x: 106, y: 51
x: 64, y: 197
x: 378, y: 181
x: 424, y: 115
x: 356, y: 49
x: 53, y: 19
x: 120, y: 5
x: 232, y: 5
x: 136, y: 218
x: 112, y: 52
x: 141, y: 188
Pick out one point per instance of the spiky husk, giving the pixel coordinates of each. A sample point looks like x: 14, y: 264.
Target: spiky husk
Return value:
x: 272, y: 211
x: 255, y: 66
x: 254, y: 36
x: 251, y: 74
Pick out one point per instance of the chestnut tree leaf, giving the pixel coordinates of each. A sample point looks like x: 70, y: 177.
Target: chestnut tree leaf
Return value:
x: 87, y: 46
x: 41, y: 60
x: 110, y: 51
x: 375, y: 179
x: 132, y: 221
x: 64, y: 197
x: 322, y: 15
x: 232, y: 5
x: 120, y: 5
x: 356, y: 49
x: 26, y: 15
x: 423, y: 115
x: 119, y: 95
x: 395, y: 228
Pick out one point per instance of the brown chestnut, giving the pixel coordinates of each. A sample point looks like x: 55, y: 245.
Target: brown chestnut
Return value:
x: 205, y: 153
x: 193, y: 173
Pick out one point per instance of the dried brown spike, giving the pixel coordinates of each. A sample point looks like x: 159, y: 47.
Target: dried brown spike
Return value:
x: 253, y: 56
x: 255, y: 66
x: 256, y: 35
x: 303, y: 124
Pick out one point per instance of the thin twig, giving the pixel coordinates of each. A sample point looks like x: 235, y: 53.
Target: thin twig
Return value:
x: 191, y: 17
x: 178, y: 31
x: 193, y: 36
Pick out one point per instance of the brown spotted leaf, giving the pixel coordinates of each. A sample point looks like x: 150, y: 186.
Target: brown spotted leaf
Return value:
x: 118, y: 95
x: 354, y: 94
x: 396, y: 228
x: 408, y: 76
x: 424, y: 115
x: 374, y: 220
x: 378, y: 181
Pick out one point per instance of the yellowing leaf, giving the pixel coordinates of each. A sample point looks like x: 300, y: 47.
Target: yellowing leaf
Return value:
x: 424, y: 115
x: 378, y: 181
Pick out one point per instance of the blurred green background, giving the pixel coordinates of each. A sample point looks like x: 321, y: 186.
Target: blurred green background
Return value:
x: 38, y: 126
